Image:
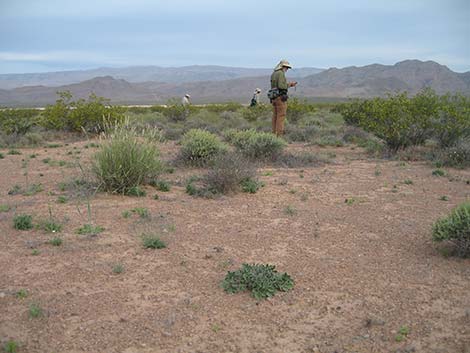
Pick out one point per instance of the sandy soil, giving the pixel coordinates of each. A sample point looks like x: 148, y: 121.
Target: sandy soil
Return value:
x: 361, y: 270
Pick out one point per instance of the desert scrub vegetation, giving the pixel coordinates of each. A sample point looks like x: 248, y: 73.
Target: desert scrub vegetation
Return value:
x: 152, y: 241
x: 263, y: 281
x: 403, y: 121
x: 257, y: 145
x: 198, y: 147
x: 455, y: 228
x: 125, y: 160
x: 92, y: 115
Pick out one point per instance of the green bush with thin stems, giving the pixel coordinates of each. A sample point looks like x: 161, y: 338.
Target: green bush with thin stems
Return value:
x: 151, y: 241
x: 199, y: 147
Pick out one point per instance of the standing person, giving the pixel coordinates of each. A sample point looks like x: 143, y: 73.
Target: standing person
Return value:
x: 278, y: 95
x: 185, y: 101
x: 255, y: 99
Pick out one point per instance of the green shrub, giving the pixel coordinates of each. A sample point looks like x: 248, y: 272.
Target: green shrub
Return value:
x: 455, y: 156
x: 161, y: 185
x: 262, y: 280
x: 455, y: 228
x: 91, y: 115
x: 152, y: 242
x: 35, y: 311
x: 23, y: 222
x: 452, y: 122
x: 199, y: 147
x: 125, y: 160
x: 258, y: 145
x: 296, y: 109
x: 18, y: 121
x: 136, y: 191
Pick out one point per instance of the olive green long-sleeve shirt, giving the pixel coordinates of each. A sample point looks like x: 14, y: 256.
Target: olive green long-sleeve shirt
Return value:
x: 278, y: 80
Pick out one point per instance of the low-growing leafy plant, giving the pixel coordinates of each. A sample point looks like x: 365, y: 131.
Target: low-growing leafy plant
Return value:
x: 251, y: 185
x: 455, y: 228
x: 62, y: 199
x: 262, y: 280
x: 136, y: 191
x: 151, y: 241
x: 89, y: 229
x: 56, y: 241
x: 438, y: 172
x: 289, y: 210
x: 141, y: 211
x: 35, y: 310
x: 21, y: 294
x: 444, y: 198
x: 5, y: 208
x: 51, y: 226
x: 402, y: 333
x: 408, y: 182
x: 15, y: 190
x: 11, y: 347
x: 118, y: 268
x: 161, y: 185
x: 23, y: 222
x: 14, y: 152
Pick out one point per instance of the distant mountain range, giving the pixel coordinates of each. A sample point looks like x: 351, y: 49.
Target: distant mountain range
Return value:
x: 142, y: 74
x: 237, y: 84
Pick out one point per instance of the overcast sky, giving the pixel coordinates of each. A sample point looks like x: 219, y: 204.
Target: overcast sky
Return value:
x: 55, y: 35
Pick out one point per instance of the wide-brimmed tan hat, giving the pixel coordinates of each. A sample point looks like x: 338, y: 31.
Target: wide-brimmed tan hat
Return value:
x: 187, y: 95
x: 258, y: 90
x: 283, y: 63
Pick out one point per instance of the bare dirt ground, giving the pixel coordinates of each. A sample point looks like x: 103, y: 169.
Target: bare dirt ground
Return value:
x: 362, y: 269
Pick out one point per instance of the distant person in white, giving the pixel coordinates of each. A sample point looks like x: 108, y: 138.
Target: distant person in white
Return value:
x: 255, y: 100
x: 185, y: 101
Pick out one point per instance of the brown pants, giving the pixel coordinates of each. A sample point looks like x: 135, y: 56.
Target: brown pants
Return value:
x: 279, y: 115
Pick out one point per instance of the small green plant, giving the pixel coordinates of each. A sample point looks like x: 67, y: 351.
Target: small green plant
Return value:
x: 408, y: 182
x: 33, y: 189
x: 11, y: 347
x: 402, y: 333
x: 46, y: 160
x: 53, y: 145
x: 89, y: 229
x: 136, y: 191
x: 150, y: 241
x: 118, y: 268
x: 215, y: 328
x: 161, y: 185
x: 15, y: 190
x: 251, y: 185
x: 268, y: 173
x: 290, y: 210
x: 455, y: 228
x: 62, y: 199
x: 35, y: 310
x: 56, y: 241
x: 141, y: 211
x: 2, y: 155
x: 34, y: 155
x: 21, y: 294
x: 35, y: 252
x: 5, y: 208
x: 438, y: 172
x: 350, y: 201
x: 262, y: 280
x: 126, y: 214
x: 444, y: 198
x: 23, y: 222
x: 14, y: 152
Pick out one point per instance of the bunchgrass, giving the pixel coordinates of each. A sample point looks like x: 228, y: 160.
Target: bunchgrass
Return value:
x: 56, y: 241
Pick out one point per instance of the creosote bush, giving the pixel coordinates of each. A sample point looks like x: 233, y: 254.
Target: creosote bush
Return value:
x: 455, y: 228
x: 199, y: 147
x: 262, y: 280
x: 125, y: 160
